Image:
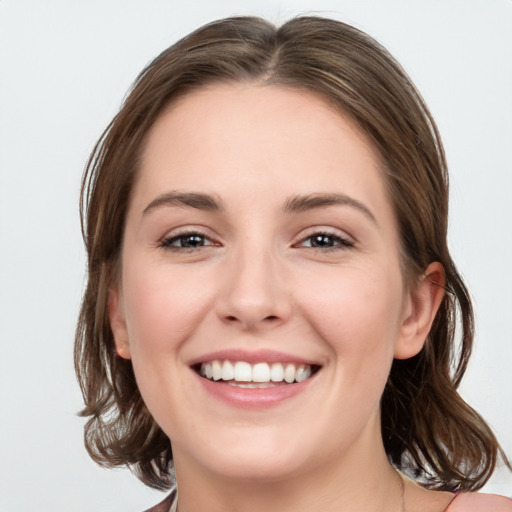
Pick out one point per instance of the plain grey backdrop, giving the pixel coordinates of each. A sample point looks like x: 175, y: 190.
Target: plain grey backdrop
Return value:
x: 64, y: 69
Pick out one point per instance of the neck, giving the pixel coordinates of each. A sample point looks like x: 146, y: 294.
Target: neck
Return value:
x: 361, y: 480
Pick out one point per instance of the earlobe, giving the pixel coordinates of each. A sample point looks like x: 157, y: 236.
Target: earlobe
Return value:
x: 118, y: 324
x: 424, y: 302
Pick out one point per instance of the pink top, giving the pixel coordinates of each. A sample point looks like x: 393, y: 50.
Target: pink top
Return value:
x: 475, y: 502
x: 463, y: 502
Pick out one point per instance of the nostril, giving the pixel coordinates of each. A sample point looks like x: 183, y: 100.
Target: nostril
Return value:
x: 232, y: 318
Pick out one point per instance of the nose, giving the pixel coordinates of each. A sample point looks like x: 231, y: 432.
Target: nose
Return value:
x: 253, y: 295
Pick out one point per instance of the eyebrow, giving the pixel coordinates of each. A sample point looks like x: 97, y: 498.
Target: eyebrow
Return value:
x: 191, y: 199
x: 295, y: 204
x: 306, y: 202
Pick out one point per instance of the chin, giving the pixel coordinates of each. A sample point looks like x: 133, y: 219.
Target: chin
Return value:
x: 266, y: 468
x: 251, y: 455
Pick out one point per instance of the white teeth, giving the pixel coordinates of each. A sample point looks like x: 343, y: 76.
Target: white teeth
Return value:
x: 276, y: 372
x: 243, y: 371
x: 216, y: 370
x: 254, y: 376
x: 261, y: 372
x: 302, y: 373
x: 289, y: 373
x: 251, y: 385
x: 228, y: 371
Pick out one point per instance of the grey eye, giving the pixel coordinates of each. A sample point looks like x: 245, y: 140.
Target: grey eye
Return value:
x: 325, y: 241
x: 187, y: 241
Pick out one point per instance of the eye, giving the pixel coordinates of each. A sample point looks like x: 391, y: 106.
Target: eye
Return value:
x: 325, y: 240
x: 190, y: 241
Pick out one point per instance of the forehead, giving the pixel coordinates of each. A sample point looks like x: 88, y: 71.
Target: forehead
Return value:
x: 256, y: 133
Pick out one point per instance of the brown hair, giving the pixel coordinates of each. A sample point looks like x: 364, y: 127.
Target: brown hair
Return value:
x: 428, y: 430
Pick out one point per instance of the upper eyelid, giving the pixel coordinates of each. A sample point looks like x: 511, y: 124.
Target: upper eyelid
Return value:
x: 185, y: 234
x: 321, y: 230
x: 344, y: 242
x: 165, y: 242
x: 187, y: 230
x: 303, y: 235
x: 168, y: 245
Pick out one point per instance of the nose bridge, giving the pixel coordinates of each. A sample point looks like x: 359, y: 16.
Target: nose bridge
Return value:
x: 253, y: 292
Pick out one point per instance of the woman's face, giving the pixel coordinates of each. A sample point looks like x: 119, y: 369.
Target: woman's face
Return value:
x: 260, y: 244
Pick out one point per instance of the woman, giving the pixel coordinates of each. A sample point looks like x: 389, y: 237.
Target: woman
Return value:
x: 271, y: 303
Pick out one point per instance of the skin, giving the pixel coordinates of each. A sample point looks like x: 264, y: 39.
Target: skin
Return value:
x: 258, y: 283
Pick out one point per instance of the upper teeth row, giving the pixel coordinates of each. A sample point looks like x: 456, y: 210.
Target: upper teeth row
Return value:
x: 241, y: 371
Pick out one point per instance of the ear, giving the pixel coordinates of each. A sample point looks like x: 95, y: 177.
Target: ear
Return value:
x: 419, y: 313
x: 118, y: 324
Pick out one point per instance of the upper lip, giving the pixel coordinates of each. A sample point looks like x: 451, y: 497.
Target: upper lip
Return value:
x: 252, y: 357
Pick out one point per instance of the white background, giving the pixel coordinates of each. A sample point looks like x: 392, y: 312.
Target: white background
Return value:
x: 64, y: 69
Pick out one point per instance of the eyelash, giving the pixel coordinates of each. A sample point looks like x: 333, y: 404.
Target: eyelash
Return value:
x: 167, y: 243
x: 337, y: 242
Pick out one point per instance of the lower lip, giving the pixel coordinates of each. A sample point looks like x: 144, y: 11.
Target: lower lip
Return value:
x: 257, y: 398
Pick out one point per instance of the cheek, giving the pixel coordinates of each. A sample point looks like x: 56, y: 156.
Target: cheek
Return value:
x: 358, y: 314
x: 163, y: 310
x: 162, y: 307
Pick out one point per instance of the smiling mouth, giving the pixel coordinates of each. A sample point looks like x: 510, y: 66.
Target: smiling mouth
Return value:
x: 254, y: 376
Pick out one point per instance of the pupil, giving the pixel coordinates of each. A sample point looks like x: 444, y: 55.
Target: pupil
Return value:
x: 192, y: 241
x: 322, y: 241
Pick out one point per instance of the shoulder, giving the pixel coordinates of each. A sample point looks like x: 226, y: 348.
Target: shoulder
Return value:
x: 165, y: 505
x: 476, y: 502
